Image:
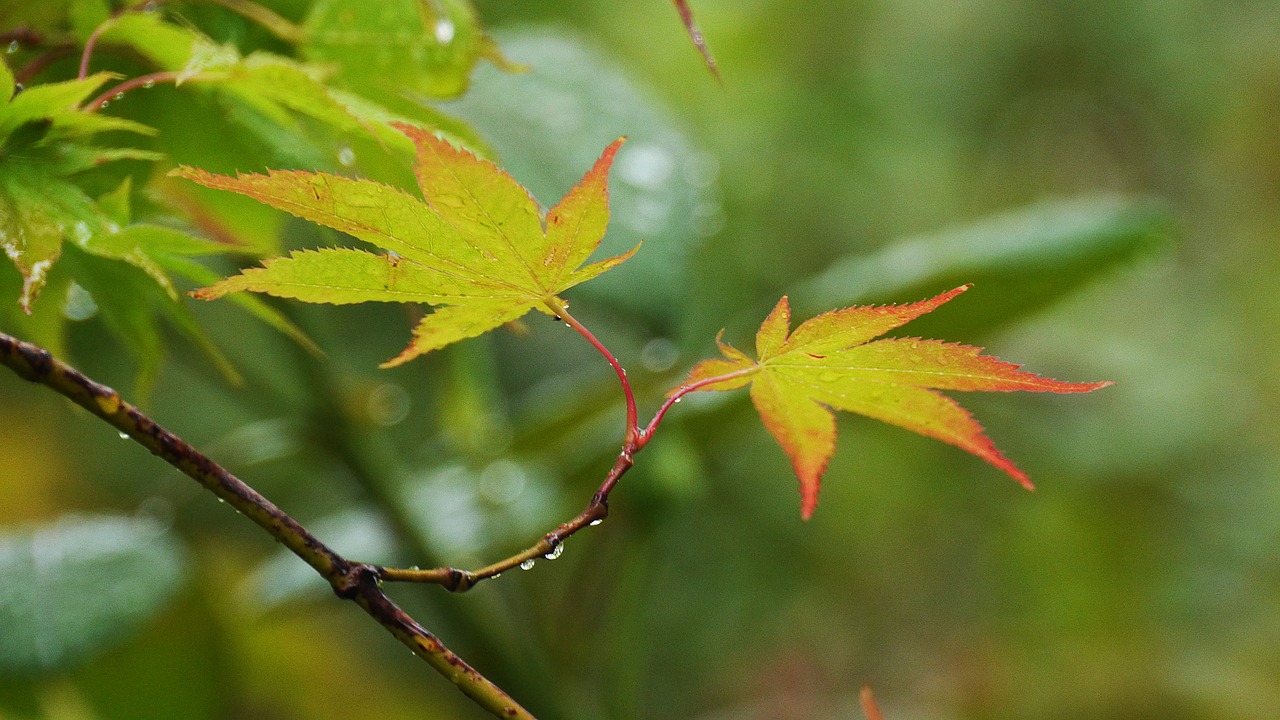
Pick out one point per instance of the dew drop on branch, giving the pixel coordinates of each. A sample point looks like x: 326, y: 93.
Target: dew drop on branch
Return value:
x: 123, y: 435
x: 556, y: 552
x: 596, y: 522
x: 527, y: 564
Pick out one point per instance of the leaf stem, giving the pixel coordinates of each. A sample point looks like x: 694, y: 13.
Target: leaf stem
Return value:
x: 22, y: 35
x: 353, y: 581
x: 676, y: 394
x: 699, y: 42
x: 561, y: 310
x: 42, y: 61
x: 147, y: 80
x: 89, y: 46
x: 457, y: 580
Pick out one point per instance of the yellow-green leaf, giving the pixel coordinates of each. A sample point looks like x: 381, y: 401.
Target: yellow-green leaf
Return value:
x: 829, y: 363
x: 475, y: 246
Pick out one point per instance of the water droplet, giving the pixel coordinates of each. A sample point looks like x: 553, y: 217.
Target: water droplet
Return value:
x: 678, y: 399
x: 13, y: 47
x: 556, y: 551
x: 119, y: 96
x: 596, y: 522
x: 527, y: 564
x: 414, y: 568
x: 149, y: 84
x: 495, y: 576
x: 222, y: 500
x: 445, y: 31
x: 123, y: 435
x: 346, y: 156
x: 102, y: 104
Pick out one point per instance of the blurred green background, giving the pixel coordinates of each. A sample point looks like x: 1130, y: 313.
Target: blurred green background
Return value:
x: 1106, y: 171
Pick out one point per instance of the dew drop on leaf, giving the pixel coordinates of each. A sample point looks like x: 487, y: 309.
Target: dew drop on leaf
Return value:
x: 527, y: 564
x: 346, y: 156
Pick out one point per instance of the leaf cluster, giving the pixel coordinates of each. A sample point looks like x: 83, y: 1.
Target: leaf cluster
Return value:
x: 97, y: 101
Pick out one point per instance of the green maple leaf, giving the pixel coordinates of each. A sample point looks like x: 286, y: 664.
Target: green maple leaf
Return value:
x: 43, y: 144
x: 477, y: 248
x: 828, y: 363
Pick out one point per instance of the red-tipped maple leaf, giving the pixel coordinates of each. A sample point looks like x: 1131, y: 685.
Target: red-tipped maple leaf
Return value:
x: 477, y: 248
x: 828, y: 363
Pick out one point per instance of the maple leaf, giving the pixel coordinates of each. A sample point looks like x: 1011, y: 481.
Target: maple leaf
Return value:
x: 828, y: 363
x: 477, y: 248
x: 44, y: 144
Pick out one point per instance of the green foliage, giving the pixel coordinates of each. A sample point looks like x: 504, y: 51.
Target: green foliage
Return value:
x: 383, y: 49
x: 57, y: 191
x: 851, y: 139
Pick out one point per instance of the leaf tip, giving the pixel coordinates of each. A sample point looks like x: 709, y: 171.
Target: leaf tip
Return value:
x: 868, y: 702
x: 810, y: 484
x: 213, y: 292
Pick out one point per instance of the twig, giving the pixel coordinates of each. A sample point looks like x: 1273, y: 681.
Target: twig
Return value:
x: 699, y: 42
x: 456, y: 580
x: 353, y: 581
x: 42, y: 61
x: 147, y: 80
x: 22, y: 35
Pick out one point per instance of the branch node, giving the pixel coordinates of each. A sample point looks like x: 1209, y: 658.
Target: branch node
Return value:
x: 460, y: 581
x: 346, y: 582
